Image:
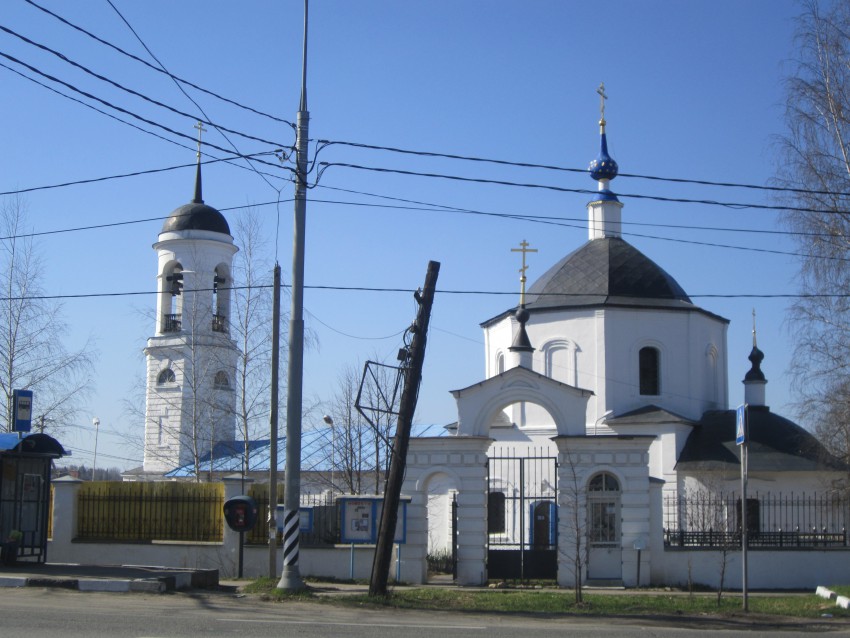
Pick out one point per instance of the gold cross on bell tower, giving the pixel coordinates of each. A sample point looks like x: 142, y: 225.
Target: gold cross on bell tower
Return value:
x: 524, y: 249
x: 201, y: 130
x: 602, y: 98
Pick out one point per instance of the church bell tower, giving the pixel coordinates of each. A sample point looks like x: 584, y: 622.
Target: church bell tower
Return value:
x: 191, y: 359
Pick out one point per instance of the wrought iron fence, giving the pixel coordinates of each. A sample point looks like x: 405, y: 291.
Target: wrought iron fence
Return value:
x: 325, y: 528
x: 706, y: 520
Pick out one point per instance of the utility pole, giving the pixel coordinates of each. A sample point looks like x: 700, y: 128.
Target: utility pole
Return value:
x: 273, y: 425
x: 407, y: 406
x: 290, y: 578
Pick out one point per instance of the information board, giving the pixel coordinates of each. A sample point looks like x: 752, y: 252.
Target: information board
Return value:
x: 361, y: 518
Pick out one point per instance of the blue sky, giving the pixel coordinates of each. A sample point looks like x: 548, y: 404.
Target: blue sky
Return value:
x: 695, y: 88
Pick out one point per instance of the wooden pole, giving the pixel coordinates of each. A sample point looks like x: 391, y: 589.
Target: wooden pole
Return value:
x: 407, y: 406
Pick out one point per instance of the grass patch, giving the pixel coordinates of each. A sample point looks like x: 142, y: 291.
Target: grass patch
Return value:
x: 267, y: 589
x: 553, y: 602
x: 563, y: 602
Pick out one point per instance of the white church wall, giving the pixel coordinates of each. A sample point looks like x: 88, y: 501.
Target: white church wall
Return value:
x: 453, y: 464
x: 766, y: 569
x: 598, y: 350
x: 582, y: 458
x: 682, y: 339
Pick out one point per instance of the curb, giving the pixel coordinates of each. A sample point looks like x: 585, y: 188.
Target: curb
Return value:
x: 840, y: 601
x: 119, y: 585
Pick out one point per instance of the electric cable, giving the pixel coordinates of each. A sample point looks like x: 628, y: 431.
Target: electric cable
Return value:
x: 158, y: 70
x: 221, y: 130
x: 133, y: 92
x: 120, y: 109
x: 678, y: 180
x: 583, y: 191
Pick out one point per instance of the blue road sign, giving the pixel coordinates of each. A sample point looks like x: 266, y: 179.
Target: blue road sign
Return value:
x: 21, y: 410
x: 741, y: 424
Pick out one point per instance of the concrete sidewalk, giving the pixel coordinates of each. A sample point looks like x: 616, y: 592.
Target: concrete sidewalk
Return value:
x: 106, y: 578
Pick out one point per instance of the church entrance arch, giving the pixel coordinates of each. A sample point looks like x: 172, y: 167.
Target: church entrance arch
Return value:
x: 605, y: 553
x: 522, y: 517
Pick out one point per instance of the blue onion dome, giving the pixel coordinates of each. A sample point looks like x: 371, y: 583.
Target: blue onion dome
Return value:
x: 604, y: 166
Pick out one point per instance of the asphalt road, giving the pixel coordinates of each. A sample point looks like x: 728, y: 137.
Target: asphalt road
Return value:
x: 51, y: 613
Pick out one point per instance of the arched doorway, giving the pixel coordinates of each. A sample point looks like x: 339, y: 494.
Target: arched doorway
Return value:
x: 605, y: 553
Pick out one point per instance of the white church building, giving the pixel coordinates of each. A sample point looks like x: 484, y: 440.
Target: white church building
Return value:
x: 600, y: 446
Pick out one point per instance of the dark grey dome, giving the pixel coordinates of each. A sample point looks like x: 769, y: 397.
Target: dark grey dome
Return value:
x: 606, y: 271
x: 775, y: 443
x: 196, y: 216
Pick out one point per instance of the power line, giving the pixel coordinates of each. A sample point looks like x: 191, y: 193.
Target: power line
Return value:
x: 351, y: 336
x: 563, y: 189
x: 92, y: 107
x: 221, y: 130
x: 678, y: 180
x: 409, y: 291
x: 94, y: 180
x: 130, y: 124
x: 562, y: 222
x: 158, y: 70
x: 124, y: 223
x: 118, y: 108
x: 133, y: 92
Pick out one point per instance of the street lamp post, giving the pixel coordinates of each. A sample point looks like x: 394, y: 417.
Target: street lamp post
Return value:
x: 329, y: 420
x: 96, y: 422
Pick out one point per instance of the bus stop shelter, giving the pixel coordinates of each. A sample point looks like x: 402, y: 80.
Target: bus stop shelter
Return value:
x: 25, y: 464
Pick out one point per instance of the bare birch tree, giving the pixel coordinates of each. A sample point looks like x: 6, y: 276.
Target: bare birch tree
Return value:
x: 350, y: 431
x: 32, y: 353
x: 573, y: 503
x: 815, y: 160
x: 251, y: 326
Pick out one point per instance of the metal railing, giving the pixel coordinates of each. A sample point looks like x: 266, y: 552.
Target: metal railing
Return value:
x: 706, y: 520
x: 219, y: 323
x: 172, y: 323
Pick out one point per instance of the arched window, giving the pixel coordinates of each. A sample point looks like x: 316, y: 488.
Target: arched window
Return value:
x: 603, y: 503
x: 166, y: 376
x: 603, y: 482
x: 560, y: 361
x: 500, y: 363
x: 649, y: 365
x: 221, y: 380
x: 172, y: 299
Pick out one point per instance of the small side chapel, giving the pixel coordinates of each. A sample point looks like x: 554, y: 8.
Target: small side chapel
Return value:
x: 191, y: 359
x: 600, y: 447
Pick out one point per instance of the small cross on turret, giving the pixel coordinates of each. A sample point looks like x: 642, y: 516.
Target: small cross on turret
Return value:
x: 523, y: 248
x: 201, y: 130
x: 602, y: 98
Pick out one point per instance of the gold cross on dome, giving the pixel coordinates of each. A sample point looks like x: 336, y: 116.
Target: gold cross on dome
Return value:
x: 201, y: 130
x: 524, y: 249
x: 602, y: 98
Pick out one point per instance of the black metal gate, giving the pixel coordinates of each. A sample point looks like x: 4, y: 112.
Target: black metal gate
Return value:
x: 522, y: 518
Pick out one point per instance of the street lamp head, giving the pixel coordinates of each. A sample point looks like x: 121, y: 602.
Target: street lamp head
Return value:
x: 327, y: 419
x: 95, y: 422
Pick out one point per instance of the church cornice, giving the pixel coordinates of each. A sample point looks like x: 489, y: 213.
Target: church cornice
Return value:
x: 608, y: 304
